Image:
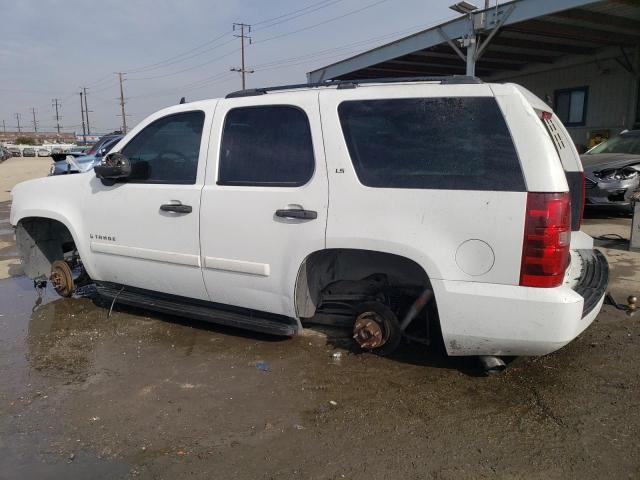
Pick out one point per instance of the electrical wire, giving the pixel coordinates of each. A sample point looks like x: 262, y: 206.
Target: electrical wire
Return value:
x: 270, y: 24
x: 189, y: 68
x: 181, y: 57
x: 309, y: 27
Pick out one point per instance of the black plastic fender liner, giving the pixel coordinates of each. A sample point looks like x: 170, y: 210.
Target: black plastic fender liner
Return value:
x: 594, y: 278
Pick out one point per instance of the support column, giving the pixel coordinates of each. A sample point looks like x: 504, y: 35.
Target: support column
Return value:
x: 471, y: 45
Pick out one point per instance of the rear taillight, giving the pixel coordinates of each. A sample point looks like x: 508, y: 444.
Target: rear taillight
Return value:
x: 547, y: 235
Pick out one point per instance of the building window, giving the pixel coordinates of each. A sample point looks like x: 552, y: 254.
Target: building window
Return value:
x: 571, y: 106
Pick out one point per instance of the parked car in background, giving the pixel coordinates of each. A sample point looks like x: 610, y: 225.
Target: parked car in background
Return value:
x: 15, y: 151
x: 56, y: 150
x: 74, y: 163
x: 4, y: 154
x: 43, y: 152
x: 611, y: 171
x: 93, y: 149
x: 28, y: 152
x: 78, y: 149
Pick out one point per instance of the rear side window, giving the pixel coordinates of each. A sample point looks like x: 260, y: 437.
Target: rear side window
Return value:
x: 266, y: 146
x: 459, y: 143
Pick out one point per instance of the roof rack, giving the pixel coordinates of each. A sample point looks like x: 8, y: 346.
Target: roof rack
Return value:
x: 444, y: 80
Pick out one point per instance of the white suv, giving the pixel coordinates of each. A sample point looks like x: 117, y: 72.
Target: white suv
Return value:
x: 388, y: 207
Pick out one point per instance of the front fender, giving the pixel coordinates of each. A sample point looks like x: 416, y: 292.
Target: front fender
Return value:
x: 55, y: 198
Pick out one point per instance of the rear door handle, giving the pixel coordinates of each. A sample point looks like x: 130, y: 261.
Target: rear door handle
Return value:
x: 176, y: 208
x: 297, y: 213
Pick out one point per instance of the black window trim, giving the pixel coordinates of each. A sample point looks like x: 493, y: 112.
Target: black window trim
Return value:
x: 560, y: 91
x: 160, y: 182
x: 266, y: 184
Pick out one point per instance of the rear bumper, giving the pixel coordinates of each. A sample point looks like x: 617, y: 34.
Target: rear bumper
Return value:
x: 491, y: 319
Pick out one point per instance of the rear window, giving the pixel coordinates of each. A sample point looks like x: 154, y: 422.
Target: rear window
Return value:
x: 457, y: 143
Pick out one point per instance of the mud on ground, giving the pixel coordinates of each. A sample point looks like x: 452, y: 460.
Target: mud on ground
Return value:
x: 140, y: 395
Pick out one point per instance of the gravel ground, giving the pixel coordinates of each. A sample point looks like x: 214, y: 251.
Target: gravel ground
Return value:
x: 140, y: 395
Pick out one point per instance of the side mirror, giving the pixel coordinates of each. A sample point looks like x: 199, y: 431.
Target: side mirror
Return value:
x: 115, y: 166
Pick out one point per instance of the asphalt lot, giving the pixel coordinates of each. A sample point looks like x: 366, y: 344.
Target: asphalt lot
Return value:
x: 140, y: 395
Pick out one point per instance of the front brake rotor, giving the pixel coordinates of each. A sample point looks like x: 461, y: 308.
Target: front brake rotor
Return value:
x: 62, y: 278
x: 369, y: 330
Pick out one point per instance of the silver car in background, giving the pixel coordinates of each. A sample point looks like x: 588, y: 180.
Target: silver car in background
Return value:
x: 612, y: 171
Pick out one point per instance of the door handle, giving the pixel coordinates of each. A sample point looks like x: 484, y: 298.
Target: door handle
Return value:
x: 297, y: 213
x: 176, y: 208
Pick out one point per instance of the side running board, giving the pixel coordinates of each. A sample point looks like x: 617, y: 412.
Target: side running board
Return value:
x: 172, y: 305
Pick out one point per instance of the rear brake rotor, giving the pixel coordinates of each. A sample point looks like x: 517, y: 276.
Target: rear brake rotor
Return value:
x: 62, y: 278
x: 369, y: 330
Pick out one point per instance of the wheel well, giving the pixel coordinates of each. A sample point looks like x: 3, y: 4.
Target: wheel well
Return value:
x: 42, y: 241
x: 324, y: 267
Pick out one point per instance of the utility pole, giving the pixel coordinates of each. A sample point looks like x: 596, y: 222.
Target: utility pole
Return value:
x: 56, y: 104
x: 86, y: 110
x: 35, y: 122
x: 84, y: 131
x: 123, y: 114
x: 242, y: 36
x: 18, y: 119
x: 4, y: 127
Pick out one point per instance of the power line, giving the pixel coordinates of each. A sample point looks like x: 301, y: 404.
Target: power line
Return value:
x: 309, y: 27
x: 123, y: 115
x: 187, y: 55
x: 56, y: 104
x: 219, y: 77
x: 243, y: 71
x: 84, y: 130
x: 181, y: 57
x: 86, y: 110
x: 35, y: 122
x: 190, y: 68
x: 291, y: 16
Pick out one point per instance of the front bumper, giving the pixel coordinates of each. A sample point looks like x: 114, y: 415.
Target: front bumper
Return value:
x: 614, y: 193
x: 491, y: 319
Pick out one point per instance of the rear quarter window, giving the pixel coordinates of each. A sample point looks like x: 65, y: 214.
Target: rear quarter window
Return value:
x: 455, y: 143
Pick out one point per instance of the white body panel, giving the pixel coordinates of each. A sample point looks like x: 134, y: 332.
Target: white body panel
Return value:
x: 426, y: 226
x: 489, y: 319
x: 252, y: 257
x: 233, y: 250
x: 153, y: 249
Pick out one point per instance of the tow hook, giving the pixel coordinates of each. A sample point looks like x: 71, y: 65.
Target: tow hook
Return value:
x: 631, y: 308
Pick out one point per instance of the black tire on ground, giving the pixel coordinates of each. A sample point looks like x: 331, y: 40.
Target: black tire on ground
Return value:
x: 390, y: 324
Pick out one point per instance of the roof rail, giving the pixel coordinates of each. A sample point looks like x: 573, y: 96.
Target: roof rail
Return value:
x: 340, y: 84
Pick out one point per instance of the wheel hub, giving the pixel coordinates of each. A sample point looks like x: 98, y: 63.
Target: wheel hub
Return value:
x: 369, y: 330
x: 62, y: 278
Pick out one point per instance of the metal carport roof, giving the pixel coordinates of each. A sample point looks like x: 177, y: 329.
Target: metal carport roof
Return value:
x: 501, y: 40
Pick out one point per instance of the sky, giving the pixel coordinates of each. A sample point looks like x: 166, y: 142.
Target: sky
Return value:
x: 169, y: 49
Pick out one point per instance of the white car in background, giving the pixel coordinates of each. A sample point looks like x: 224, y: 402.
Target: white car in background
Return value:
x: 390, y: 208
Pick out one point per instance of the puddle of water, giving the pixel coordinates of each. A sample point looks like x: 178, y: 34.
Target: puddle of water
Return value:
x: 20, y: 467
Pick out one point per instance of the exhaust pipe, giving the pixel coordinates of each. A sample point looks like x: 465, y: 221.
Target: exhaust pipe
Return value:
x: 492, y: 365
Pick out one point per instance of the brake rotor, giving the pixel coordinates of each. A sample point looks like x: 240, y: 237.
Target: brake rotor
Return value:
x: 62, y: 278
x: 369, y: 330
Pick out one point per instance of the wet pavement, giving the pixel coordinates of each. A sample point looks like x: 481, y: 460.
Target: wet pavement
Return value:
x: 140, y: 395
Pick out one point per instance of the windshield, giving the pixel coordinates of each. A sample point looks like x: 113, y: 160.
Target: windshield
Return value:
x: 94, y: 148
x: 625, y: 143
